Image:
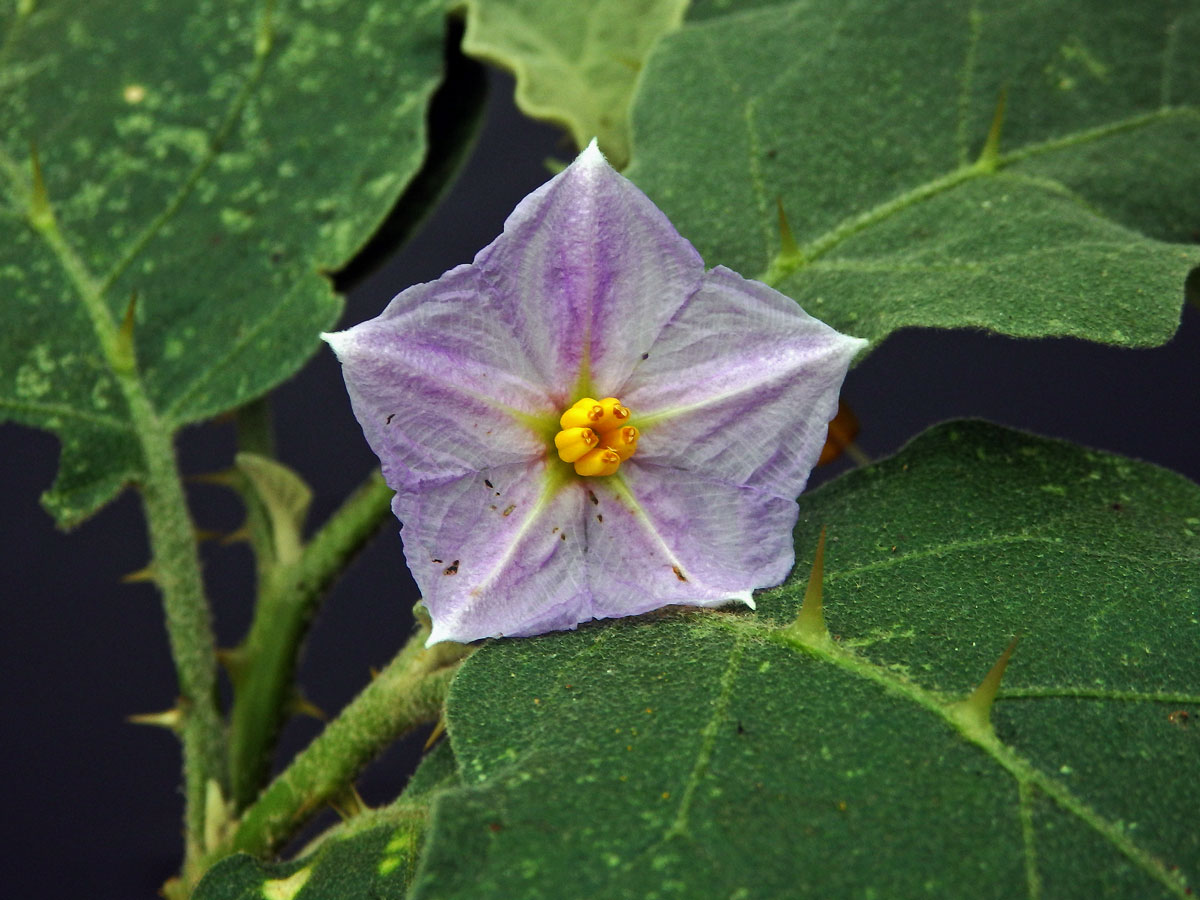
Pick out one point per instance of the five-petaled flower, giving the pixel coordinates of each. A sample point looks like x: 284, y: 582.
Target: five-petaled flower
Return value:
x: 584, y: 423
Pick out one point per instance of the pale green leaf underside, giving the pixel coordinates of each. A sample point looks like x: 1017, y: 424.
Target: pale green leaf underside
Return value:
x: 866, y: 120
x: 576, y: 63
x: 210, y: 159
x: 708, y: 755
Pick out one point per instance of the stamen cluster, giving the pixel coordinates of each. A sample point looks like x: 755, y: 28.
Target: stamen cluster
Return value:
x: 596, y: 436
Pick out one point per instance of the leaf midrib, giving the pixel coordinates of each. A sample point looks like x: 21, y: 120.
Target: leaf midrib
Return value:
x: 785, y: 265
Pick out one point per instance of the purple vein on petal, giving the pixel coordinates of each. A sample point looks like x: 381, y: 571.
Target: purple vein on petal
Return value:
x: 510, y: 548
x: 687, y: 590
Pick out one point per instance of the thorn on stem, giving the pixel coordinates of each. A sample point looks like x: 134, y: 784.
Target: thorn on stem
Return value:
x: 233, y: 661
x: 241, y: 534
x: 223, y: 477
x: 348, y: 803
x: 171, y: 719
x: 438, y: 730
x: 302, y: 706
x: 143, y: 574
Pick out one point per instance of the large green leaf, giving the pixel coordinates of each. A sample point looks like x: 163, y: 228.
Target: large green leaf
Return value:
x: 210, y: 159
x: 576, y: 63
x: 714, y: 755
x: 869, y: 123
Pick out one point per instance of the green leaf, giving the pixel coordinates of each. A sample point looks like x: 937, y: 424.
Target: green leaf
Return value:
x: 714, y: 754
x: 373, y: 863
x: 576, y: 63
x: 211, y: 160
x: 285, y: 496
x: 438, y: 770
x: 372, y: 856
x: 870, y: 124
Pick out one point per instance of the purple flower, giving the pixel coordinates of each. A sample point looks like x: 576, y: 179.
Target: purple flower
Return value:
x: 584, y: 423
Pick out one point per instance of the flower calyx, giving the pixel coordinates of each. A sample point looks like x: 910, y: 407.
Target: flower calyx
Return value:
x: 596, y: 436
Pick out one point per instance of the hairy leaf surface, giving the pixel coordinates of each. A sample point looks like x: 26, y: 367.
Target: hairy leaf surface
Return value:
x: 210, y: 160
x: 713, y: 755
x: 373, y: 856
x: 870, y: 123
x: 576, y: 63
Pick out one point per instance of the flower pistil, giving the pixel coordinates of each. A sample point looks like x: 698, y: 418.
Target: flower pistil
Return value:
x: 596, y: 436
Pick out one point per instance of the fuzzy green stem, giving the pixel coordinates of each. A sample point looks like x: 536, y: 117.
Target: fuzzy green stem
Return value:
x: 288, y: 598
x: 176, y: 564
x: 409, y: 692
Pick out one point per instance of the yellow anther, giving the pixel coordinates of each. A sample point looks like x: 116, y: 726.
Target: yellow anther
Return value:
x: 601, y: 461
x: 613, y: 413
x: 583, y: 413
x: 622, y: 440
x: 572, y: 443
x: 596, y: 436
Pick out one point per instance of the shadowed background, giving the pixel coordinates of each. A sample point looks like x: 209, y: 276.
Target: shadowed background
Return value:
x: 93, y: 802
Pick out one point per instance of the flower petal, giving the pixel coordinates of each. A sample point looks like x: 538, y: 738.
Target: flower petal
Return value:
x: 740, y: 386
x: 657, y: 536
x: 439, y: 384
x: 589, y: 271
x: 500, y: 552
x: 459, y: 385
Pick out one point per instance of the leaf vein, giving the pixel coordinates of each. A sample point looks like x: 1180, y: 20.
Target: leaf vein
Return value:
x: 708, y: 738
x: 59, y: 409
x: 1033, y: 879
x: 1089, y: 693
x: 937, y: 551
x: 1022, y: 771
x: 966, y: 82
x: 853, y: 225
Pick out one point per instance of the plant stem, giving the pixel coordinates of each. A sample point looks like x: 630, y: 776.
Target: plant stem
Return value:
x: 288, y: 597
x: 176, y: 563
x: 409, y: 692
x: 177, y: 573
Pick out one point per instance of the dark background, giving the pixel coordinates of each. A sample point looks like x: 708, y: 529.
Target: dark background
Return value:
x: 92, y: 804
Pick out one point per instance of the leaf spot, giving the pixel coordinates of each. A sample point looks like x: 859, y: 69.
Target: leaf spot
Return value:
x: 286, y: 888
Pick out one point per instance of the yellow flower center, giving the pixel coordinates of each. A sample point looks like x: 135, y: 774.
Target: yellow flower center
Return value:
x: 596, y: 436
